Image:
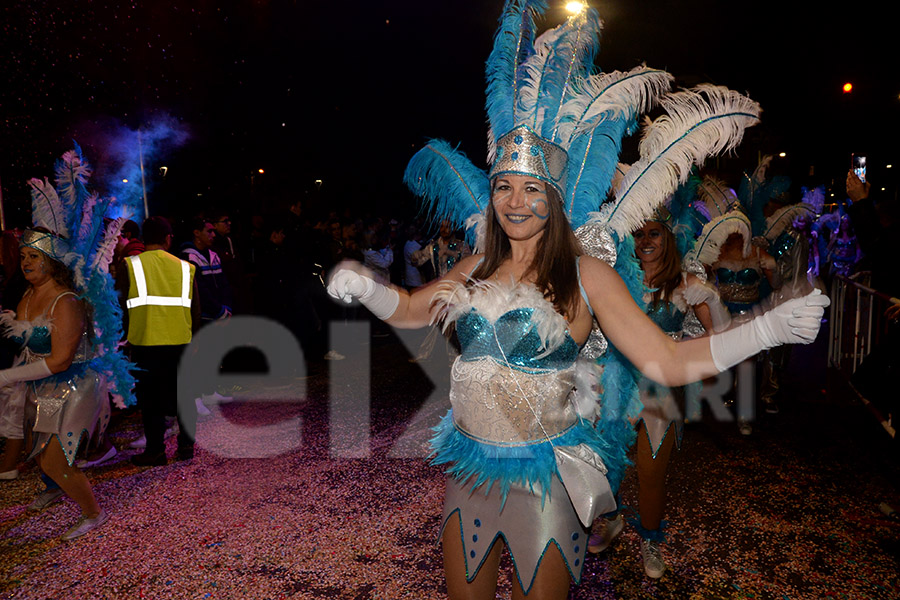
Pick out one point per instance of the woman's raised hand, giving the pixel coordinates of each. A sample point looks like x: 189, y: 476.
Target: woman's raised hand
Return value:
x: 346, y: 284
x: 796, y: 321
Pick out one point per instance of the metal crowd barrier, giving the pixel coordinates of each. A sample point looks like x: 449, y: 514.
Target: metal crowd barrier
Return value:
x: 858, y: 325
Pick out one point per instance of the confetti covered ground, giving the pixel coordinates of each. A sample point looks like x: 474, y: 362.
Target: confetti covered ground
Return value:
x: 290, y: 498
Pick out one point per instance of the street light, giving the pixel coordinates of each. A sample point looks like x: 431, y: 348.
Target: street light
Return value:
x: 575, y: 7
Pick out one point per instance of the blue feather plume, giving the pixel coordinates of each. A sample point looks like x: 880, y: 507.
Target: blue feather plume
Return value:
x: 513, y: 43
x: 620, y: 401
x: 592, y: 163
x: 452, y: 187
x: 686, y: 222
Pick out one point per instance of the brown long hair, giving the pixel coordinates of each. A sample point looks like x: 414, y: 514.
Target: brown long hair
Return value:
x: 553, y: 263
x: 669, y: 277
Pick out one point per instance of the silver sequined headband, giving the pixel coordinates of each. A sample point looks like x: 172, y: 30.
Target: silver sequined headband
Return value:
x: 51, y: 245
x: 523, y: 152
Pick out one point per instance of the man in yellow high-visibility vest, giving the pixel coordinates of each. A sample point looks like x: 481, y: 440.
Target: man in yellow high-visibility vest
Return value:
x: 162, y: 313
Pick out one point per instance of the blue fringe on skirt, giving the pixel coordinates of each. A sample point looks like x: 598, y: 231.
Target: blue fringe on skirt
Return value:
x: 480, y: 463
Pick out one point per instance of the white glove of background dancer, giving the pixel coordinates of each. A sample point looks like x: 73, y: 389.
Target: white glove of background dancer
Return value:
x: 381, y: 300
x: 797, y: 321
x: 703, y: 293
x: 29, y: 372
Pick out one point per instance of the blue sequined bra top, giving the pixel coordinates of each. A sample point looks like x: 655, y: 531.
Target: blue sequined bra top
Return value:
x: 34, y: 337
x: 38, y: 342
x: 511, y: 383
x: 513, y: 338
x: 747, y: 276
x: 667, y: 317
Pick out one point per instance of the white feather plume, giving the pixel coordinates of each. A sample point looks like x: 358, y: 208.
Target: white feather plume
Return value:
x: 72, y: 173
x: 536, y: 68
x: 87, y: 216
x: 711, y: 239
x: 557, y: 53
x: 784, y: 217
x: 479, y: 222
x: 46, y: 209
x: 716, y: 196
x: 700, y: 122
x: 611, y: 95
x: 107, y: 248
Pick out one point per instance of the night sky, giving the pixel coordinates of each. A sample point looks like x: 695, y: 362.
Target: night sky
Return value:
x: 347, y: 92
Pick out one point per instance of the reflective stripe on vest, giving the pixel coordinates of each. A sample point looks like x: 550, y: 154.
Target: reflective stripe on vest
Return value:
x: 143, y: 299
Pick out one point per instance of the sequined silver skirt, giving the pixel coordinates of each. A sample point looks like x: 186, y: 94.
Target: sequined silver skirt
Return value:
x: 70, y: 409
x: 528, y: 527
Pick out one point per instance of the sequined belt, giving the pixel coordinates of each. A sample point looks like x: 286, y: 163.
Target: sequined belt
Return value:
x: 739, y: 294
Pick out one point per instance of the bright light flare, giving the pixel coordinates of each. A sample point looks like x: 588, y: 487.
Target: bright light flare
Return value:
x: 261, y: 171
x: 848, y: 87
x: 782, y: 154
x: 575, y: 7
x: 124, y: 181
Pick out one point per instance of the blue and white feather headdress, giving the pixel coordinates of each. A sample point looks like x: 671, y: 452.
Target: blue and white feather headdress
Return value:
x: 553, y: 117
x: 85, y: 242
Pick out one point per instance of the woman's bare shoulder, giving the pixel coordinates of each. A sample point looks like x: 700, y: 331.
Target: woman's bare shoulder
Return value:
x: 67, y: 302
x: 465, y: 266
x: 594, y: 267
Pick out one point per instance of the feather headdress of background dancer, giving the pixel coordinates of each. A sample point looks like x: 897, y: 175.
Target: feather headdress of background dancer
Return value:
x: 85, y: 242
x: 553, y: 115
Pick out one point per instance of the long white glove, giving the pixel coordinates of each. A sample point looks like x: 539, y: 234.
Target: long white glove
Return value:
x: 704, y: 293
x: 797, y: 321
x: 381, y: 300
x: 29, y: 372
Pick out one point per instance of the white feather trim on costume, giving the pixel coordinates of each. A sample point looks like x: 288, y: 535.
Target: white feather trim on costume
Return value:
x: 10, y: 326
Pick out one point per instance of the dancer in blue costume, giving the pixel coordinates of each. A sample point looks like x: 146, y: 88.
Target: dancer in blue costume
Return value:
x: 671, y: 294
x: 68, y: 324
x: 527, y: 301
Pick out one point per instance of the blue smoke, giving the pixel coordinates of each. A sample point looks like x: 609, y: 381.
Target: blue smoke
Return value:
x: 123, y: 149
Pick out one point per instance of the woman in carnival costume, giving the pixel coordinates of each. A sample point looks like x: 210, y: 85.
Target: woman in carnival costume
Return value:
x: 68, y: 324
x: 672, y: 296
x: 525, y: 462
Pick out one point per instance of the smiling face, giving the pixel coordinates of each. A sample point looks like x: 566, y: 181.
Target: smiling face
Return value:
x: 521, y: 205
x: 34, y: 266
x: 650, y: 242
